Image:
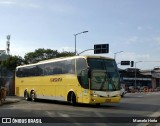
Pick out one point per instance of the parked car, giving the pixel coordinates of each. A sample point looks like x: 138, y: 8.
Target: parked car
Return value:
x: 122, y: 92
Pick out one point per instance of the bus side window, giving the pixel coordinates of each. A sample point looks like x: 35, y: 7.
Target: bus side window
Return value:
x: 82, y: 72
x: 40, y: 70
x: 48, y: 69
x: 19, y: 72
x: 81, y: 65
x: 57, y: 67
x: 70, y: 66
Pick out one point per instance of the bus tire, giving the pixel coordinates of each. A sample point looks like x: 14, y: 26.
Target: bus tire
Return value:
x: 26, y: 95
x: 72, y: 98
x: 33, y: 96
x: 98, y: 104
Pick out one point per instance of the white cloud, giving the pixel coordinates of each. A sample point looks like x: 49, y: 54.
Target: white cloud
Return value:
x: 57, y: 7
x: 7, y: 2
x: 29, y: 5
x: 36, y: 6
x: 157, y: 40
x: 150, y: 28
x: 131, y: 40
x: 19, y: 3
x: 20, y: 51
x: 68, y: 49
x: 139, y: 28
x: 131, y: 56
x: 60, y: 7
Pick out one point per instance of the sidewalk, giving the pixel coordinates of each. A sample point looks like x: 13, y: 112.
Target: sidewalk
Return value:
x: 12, y: 99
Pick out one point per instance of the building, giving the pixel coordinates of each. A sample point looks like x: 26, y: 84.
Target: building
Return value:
x: 139, y: 78
x: 156, y: 77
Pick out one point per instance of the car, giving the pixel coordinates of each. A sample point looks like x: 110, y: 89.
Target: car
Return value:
x: 122, y: 91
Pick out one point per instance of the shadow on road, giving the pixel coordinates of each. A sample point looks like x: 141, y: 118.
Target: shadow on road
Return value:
x: 115, y: 106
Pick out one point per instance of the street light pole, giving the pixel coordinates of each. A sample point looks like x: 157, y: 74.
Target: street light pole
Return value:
x: 75, y: 35
x: 136, y: 74
x: 116, y: 54
x: 75, y: 44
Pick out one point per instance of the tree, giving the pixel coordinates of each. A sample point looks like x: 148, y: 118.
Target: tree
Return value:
x: 12, y: 62
x: 65, y: 54
x: 44, y: 54
x: 32, y: 57
x: 39, y: 55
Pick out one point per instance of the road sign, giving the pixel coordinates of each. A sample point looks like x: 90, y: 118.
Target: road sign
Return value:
x: 101, y: 48
x: 132, y: 63
x: 125, y: 62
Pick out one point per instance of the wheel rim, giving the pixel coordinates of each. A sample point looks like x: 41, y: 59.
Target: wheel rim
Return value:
x: 33, y: 96
x: 73, y: 99
x: 26, y: 95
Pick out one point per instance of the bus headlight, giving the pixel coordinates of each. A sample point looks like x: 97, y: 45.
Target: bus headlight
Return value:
x: 95, y: 95
x: 118, y: 95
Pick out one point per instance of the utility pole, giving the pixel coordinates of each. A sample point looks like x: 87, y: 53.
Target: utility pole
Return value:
x: 8, y: 44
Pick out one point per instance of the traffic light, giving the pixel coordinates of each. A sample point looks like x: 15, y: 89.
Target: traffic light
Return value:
x: 125, y: 62
x: 101, y: 48
x: 132, y: 63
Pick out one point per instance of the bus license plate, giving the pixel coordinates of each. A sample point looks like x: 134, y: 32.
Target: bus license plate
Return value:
x: 108, y: 100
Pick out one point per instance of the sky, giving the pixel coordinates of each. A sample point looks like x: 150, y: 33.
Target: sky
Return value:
x: 131, y: 26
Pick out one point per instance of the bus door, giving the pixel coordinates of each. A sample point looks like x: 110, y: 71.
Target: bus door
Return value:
x: 85, y: 83
x: 82, y: 72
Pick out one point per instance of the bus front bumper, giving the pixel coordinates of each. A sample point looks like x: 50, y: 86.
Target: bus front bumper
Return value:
x: 105, y: 100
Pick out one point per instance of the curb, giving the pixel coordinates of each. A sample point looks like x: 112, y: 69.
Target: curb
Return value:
x: 12, y: 99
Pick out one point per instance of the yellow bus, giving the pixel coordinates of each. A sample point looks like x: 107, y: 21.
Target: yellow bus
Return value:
x: 76, y: 79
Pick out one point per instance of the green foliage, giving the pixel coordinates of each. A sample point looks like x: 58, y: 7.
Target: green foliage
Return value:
x: 33, y: 57
x: 44, y: 54
x: 65, y: 54
x: 12, y: 62
x: 39, y: 55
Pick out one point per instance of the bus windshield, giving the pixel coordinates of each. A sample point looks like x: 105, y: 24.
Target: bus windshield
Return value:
x: 104, y: 74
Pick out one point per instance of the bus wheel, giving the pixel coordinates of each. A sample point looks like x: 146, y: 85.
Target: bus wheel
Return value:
x: 26, y: 96
x: 32, y: 96
x: 73, y: 98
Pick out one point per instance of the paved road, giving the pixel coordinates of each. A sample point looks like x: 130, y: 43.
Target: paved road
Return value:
x: 132, y: 105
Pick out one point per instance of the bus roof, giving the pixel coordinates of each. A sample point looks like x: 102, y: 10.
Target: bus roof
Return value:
x: 63, y: 58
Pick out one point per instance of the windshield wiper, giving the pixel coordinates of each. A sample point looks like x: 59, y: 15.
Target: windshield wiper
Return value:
x: 102, y: 85
x: 109, y: 80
